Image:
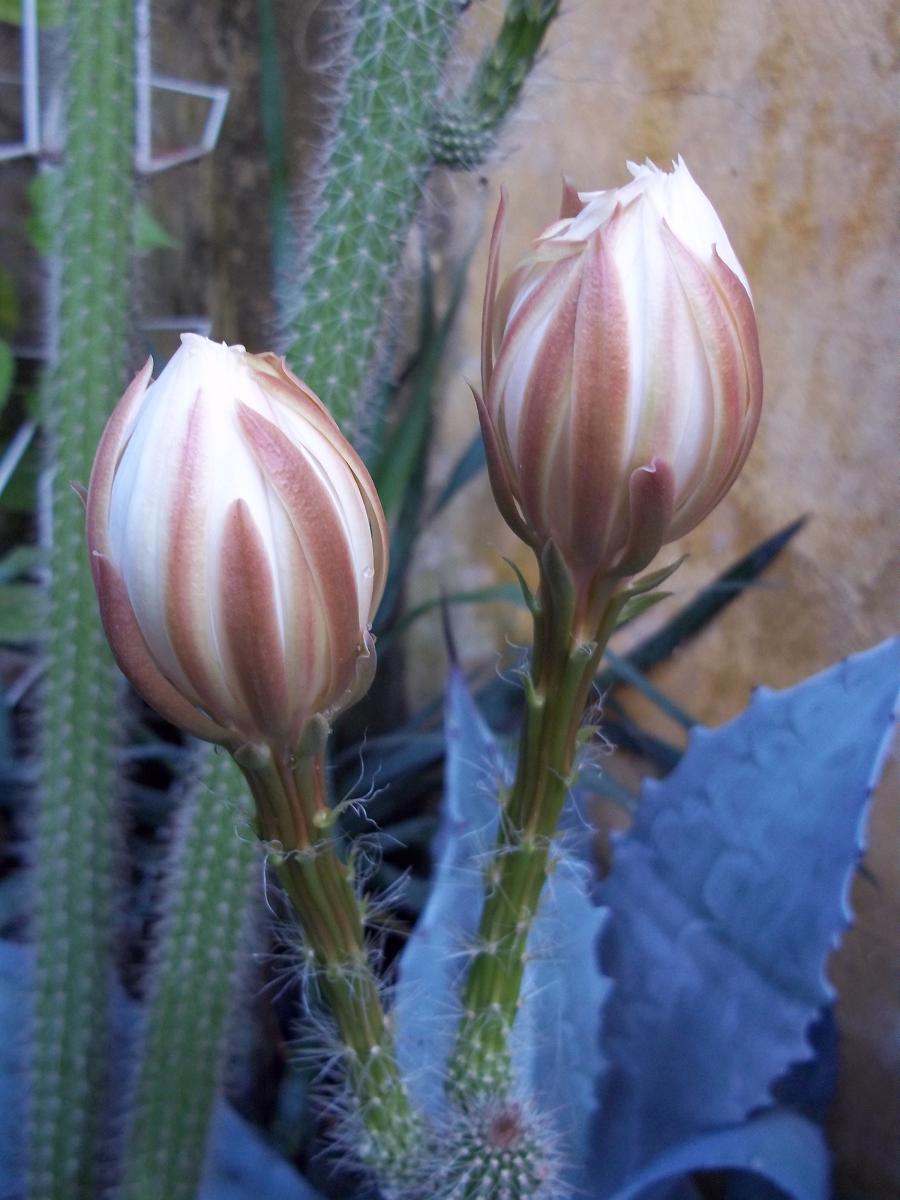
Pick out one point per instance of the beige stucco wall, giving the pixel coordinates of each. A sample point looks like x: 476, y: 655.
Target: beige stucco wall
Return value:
x: 786, y: 114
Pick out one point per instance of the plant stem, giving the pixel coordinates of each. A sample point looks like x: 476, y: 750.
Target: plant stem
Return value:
x: 564, y: 664
x: 295, y: 820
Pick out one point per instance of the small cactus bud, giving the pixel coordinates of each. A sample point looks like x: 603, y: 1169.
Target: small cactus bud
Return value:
x: 238, y: 547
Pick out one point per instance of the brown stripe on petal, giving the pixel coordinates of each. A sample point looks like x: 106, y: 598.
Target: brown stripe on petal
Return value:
x: 545, y: 342
x: 319, y: 529
x: 135, y: 661
x: 742, y: 313
x: 601, y: 387
x: 652, y: 498
x: 188, y: 614
x: 106, y: 460
x: 279, y: 382
x: 543, y: 296
x: 721, y: 347
x: 490, y: 295
x: 252, y: 642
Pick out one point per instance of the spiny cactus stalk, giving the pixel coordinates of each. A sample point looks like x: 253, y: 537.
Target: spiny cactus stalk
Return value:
x: 197, y: 958
x: 296, y: 825
x: 464, y: 130
x: 74, y: 838
x: 390, y: 132
x: 352, y: 237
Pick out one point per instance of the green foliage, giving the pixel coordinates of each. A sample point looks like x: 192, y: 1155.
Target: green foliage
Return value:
x: 196, y: 960
x: 73, y: 923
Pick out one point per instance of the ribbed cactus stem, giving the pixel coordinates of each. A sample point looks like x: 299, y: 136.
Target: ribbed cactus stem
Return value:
x: 206, y: 904
x: 563, y: 668
x: 91, y: 223
x: 295, y: 822
x: 351, y: 237
x: 465, y: 130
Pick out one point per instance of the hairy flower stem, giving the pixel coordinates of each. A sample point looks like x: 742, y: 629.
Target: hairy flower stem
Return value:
x: 564, y: 664
x: 295, y: 820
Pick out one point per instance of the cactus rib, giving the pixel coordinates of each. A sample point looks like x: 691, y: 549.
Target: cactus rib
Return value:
x: 74, y: 834
x: 197, y: 958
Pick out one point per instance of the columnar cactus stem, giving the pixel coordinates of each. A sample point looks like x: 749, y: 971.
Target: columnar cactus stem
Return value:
x: 74, y: 835
x: 563, y: 669
x: 375, y: 164
x: 294, y: 820
x: 191, y: 994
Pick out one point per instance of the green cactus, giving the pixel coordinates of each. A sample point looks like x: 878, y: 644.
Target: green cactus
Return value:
x: 75, y: 825
x: 392, y: 129
x: 197, y: 958
x: 464, y: 130
x: 374, y: 167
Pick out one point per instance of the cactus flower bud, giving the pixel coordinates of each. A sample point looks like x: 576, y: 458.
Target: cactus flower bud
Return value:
x: 238, y: 547
x: 622, y: 380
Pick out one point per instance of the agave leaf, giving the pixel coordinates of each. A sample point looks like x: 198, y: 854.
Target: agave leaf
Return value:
x: 434, y: 959
x: 242, y: 1165
x: 727, y: 896
x: 778, y: 1147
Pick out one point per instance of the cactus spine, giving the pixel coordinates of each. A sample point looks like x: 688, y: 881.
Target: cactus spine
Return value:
x: 191, y: 992
x: 74, y: 839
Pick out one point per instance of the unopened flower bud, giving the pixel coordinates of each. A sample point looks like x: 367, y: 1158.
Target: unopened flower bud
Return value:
x: 622, y: 380
x: 237, y: 545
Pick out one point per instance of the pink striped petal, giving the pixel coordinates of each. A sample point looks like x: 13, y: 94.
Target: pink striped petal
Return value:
x: 598, y: 426
x: 320, y: 533
x: 252, y: 641
x: 651, y: 492
x: 109, y: 451
x: 137, y: 664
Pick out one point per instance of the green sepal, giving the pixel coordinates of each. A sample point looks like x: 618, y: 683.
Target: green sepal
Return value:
x: 532, y: 602
x: 557, y: 580
x: 654, y: 579
x: 635, y: 605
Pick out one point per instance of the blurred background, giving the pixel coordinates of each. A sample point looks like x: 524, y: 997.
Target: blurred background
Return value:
x: 786, y: 115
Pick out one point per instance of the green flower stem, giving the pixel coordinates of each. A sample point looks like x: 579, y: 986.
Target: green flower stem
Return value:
x: 563, y: 668
x: 295, y: 821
